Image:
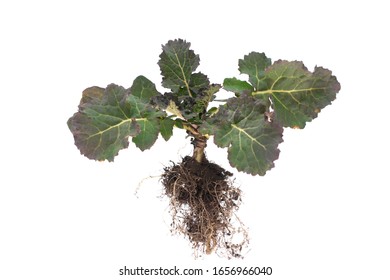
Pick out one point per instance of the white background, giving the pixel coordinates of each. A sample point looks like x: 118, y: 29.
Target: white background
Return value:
x: 321, y: 213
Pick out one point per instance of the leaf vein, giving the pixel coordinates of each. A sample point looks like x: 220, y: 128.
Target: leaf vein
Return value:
x: 248, y: 135
x: 101, y: 132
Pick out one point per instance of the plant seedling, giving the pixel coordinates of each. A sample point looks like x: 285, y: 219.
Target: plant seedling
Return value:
x: 250, y: 125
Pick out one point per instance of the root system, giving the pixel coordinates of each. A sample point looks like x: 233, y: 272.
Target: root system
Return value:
x: 203, y: 202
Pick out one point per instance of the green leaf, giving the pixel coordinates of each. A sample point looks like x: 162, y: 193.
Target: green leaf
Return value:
x: 148, y: 121
x: 108, y: 117
x: 102, y: 125
x: 144, y: 89
x: 179, y: 123
x: 177, y: 62
x: 166, y: 128
x: 254, y: 65
x: 252, y: 140
x: 148, y: 118
x: 297, y: 95
x: 198, y: 82
x: 237, y: 86
x: 212, y: 111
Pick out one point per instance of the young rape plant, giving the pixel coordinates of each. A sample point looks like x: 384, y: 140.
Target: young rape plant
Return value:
x: 250, y: 125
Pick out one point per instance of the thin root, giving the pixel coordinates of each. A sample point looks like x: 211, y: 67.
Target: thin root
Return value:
x: 203, y: 201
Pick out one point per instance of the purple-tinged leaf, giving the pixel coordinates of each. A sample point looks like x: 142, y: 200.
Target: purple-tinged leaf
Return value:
x: 103, y: 124
x: 108, y: 117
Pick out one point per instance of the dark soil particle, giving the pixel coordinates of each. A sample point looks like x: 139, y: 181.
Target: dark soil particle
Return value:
x: 203, y: 201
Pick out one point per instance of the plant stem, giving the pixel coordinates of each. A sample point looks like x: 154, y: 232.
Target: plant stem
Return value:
x: 199, y: 142
x: 199, y: 146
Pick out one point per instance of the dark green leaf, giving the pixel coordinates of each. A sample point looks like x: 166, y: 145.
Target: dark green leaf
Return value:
x: 254, y: 65
x: 252, y: 140
x: 237, y: 86
x: 179, y: 123
x: 199, y: 82
x: 144, y: 89
x: 166, y: 128
x: 148, y: 121
x: 177, y: 62
x: 148, y: 118
x: 297, y: 94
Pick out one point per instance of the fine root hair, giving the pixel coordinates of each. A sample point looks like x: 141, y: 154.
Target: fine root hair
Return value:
x: 203, y: 202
